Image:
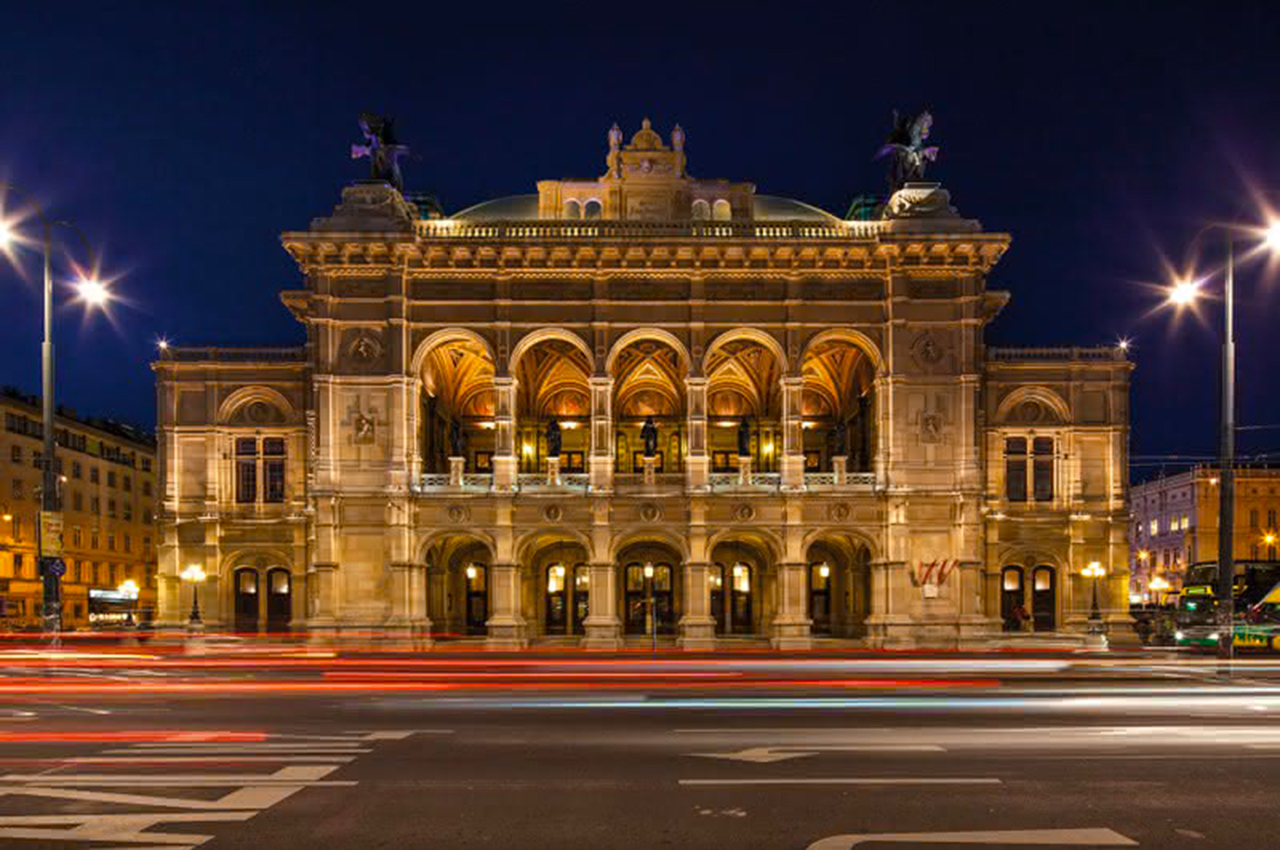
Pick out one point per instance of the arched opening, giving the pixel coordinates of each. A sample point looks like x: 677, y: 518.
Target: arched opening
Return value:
x: 572, y: 209
x: 553, y: 385
x: 649, y: 387
x: 563, y: 585
x: 279, y: 599
x: 458, y: 586
x: 591, y: 210
x: 743, y: 388
x: 839, y: 586
x: 721, y: 211
x: 1012, y: 595
x: 1044, y: 598
x: 737, y: 576
x: 244, y: 581
x: 700, y: 211
x: 837, y: 405
x: 457, y: 406
x: 651, y: 595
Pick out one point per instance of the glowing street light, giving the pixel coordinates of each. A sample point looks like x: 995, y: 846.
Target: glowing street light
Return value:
x: 1183, y: 293
x: 93, y: 291
x: 194, y: 575
x: 653, y: 615
x: 1095, y: 571
x: 50, y: 492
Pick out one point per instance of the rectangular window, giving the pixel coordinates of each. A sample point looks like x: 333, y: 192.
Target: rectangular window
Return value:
x: 17, y: 566
x: 128, y: 511
x: 146, y: 487
x: 1042, y: 448
x: 1015, y: 469
x: 95, y: 505
x: 246, y: 470
x: 111, y: 543
x: 1271, y: 519
x: 93, y: 475
x: 128, y: 543
x: 146, y: 464
x: 146, y: 545
x: 1155, y: 527
x: 76, y: 470
x: 93, y: 542
x: 75, y: 536
x: 15, y: 454
x: 111, y: 478
x: 77, y: 501
x: 17, y: 529
x: 128, y: 484
x: 111, y: 574
x: 16, y: 490
x: 1253, y: 518
x: 1186, y: 523
x: 273, y: 469
x: 35, y: 459
x: 111, y: 508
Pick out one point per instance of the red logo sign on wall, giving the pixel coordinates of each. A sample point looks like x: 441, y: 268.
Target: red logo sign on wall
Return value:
x: 934, y: 572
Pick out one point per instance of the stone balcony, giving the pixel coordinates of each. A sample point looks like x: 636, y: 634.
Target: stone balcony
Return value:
x: 625, y: 484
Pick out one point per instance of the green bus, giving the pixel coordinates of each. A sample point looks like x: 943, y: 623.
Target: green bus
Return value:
x: 1198, y: 604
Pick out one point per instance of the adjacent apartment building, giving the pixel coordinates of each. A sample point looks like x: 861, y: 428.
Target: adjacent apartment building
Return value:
x: 107, y: 474
x: 1175, y: 522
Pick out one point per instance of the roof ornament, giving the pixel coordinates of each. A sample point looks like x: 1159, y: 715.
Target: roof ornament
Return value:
x: 615, y: 144
x: 906, y: 146
x: 382, y: 148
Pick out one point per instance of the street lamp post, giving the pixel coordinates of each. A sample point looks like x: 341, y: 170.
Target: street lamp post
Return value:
x: 194, y: 575
x: 95, y: 293
x: 652, y: 614
x: 1097, y: 628
x: 1183, y: 293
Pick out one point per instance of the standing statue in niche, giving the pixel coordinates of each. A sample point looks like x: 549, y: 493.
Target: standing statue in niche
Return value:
x: 744, y: 438
x: 553, y: 439
x: 457, y: 439
x: 382, y: 148
x: 649, y: 436
x: 906, y: 146
x: 836, y: 440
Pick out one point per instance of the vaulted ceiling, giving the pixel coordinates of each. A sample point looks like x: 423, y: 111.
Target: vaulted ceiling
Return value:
x: 743, y: 380
x: 552, y: 381
x: 835, y: 374
x: 648, y: 380
x: 460, y: 376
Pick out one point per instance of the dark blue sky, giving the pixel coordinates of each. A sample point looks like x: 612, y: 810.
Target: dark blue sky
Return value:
x: 183, y: 138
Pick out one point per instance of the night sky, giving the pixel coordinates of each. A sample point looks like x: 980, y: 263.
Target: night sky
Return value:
x: 183, y: 140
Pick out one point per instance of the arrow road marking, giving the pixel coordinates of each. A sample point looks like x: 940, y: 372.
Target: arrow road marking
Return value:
x: 1086, y: 837
x: 768, y: 755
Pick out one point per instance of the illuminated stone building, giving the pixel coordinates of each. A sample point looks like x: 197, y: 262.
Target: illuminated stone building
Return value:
x: 106, y: 471
x: 901, y: 480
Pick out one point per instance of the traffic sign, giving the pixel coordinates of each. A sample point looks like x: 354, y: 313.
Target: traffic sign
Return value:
x: 55, y: 566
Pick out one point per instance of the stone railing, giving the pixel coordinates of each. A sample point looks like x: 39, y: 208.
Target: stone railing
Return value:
x: 238, y: 355
x: 1109, y: 353
x: 454, y: 229
x: 819, y: 481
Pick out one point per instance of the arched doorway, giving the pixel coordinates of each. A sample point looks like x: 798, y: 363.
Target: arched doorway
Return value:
x: 650, y: 585
x: 740, y: 567
x: 839, y: 586
x: 1012, y: 594
x: 649, y: 382
x: 1044, y: 598
x: 458, y: 585
x: 245, y: 584
x: 552, y: 383
x: 559, y: 597
x: 743, y: 383
x: 279, y: 599
x: 838, y: 405
x: 457, y: 405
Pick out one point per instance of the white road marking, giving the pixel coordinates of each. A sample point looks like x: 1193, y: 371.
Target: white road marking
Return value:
x: 296, y: 775
x: 105, y: 827
x: 850, y: 780
x: 1079, y: 837
x: 769, y: 755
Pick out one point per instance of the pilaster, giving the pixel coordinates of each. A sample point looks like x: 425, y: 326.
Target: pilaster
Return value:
x: 604, y: 630
x: 506, y: 626
x: 791, y: 625
x: 697, y: 626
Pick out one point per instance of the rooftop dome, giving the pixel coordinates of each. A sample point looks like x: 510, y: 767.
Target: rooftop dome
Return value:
x: 525, y: 207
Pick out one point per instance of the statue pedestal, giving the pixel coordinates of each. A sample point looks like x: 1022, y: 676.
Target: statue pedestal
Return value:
x: 650, y: 472
x: 840, y: 469
x: 553, y: 471
x: 744, y: 470
x: 456, y: 467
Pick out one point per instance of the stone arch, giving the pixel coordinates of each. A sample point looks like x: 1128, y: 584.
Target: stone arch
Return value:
x: 239, y: 405
x: 700, y: 210
x: 855, y: 538
x: 532, y: 541
x: 840, y: 597
x: 532, y: 338
x: 632, y: 537
x: 771, y: 542
x: 592, y: 209
x: 639, y: 334
x: 1011, y: 407
x: 426, y: 543
x: 445, y: 335
x: 850, y: 335
x: 572, y: 209
x: 721, y: 211
x: 755, y: 335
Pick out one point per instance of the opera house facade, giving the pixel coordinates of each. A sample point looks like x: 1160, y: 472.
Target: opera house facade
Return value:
x: 644, y: 404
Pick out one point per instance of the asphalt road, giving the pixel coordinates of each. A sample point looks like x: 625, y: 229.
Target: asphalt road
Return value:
x: 586, y: 752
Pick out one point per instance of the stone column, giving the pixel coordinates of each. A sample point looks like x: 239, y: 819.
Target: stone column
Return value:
x: 697, y: 626
x: 604, y: 630
x: 791, y: 624
x: 506, y: 625
x: 322, y: 605
x: 456, y: 467
x: 553, y: 471
x: 408, y: 598
x: 792, y: 436
x: 504, y: 456
x: 697, y: 464
x: 601, y: 463
x: 840, y: 470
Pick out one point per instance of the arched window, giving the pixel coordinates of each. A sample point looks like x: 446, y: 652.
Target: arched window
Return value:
x: 701, y: 210
x: 572, y: 209
x: 721, y: 210
x: 591, y: 210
